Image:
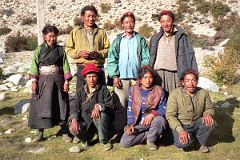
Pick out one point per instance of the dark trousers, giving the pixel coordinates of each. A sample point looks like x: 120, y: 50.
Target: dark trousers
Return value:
x: 198, y: 130
x: 144, y: 133
x: 81, y: 81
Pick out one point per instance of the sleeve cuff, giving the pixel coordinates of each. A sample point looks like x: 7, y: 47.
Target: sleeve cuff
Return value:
x: 101, y: 107
x: 73, y: 116
x: 68, y: 76
x: 179, y: 128
x: 33, y: 76
x: 155, y: 113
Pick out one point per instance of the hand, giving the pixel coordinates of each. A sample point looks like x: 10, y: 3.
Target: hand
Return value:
x: 34, y: 87
x: 207, y: 120
x: 84, y: 54
x: 96, y: 112
x: 94, y: 55
x: 183, y: 137
x: 75, y: 126
x: 147, y: 120
x: 129, y: 130
x: 66, y: 86
x: 117, y: 82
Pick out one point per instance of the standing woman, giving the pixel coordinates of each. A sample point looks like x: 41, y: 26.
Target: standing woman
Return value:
x: 50, y: 75
x: 171, y: 52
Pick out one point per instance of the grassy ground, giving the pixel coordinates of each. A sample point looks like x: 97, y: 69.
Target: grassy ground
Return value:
x: 224, y: 141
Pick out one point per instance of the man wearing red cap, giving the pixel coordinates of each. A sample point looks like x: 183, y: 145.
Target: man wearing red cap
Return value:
x: 89, y: 112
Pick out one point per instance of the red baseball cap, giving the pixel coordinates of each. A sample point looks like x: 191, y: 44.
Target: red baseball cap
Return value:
x: 90, y: 68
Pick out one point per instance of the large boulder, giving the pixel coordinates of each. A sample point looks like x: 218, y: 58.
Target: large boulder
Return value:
x: 22, y: 106
x: 208, y: 84
x: 17, y: 79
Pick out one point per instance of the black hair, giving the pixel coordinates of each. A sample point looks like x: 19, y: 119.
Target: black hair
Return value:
x: 167, y: 12
x: 189, y: 71
x: 50, y: 28
x: 127, y: 14
x: 88, y: 8
x: 143, y: 70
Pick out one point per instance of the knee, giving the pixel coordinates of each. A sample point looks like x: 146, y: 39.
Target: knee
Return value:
x: 160, y: 122
x: 125, y: 142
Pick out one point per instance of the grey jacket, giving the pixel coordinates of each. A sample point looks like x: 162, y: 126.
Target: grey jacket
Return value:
x: 185, y: 54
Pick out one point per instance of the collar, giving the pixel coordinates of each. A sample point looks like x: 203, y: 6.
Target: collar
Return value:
x: 87, y: 90
x: 124, y: 34
x: 174, y: 30
x: 185, y: 92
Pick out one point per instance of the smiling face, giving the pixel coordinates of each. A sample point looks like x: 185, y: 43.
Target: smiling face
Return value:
x: 147, y: 81
x: 190, y: 83
x: 50, y: 38
x: 166, y: 23
x: 89, y: 18
x: 128, y: 25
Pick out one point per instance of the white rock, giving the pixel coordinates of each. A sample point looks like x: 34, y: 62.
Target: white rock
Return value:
x: 14, y: 89
x: 4, y: 87
x: 28, y: 83
x: 34, y: 132
x: 1, y: 133
x: 3, y: 96
x: 75, y: 149
x: 10, y: 70
x: 17, y: 79
x: 22, y: 70
x: 9, y: 84
x: 1, y: 60
x: 25, y: 117
x: 208, y: 84
x: 224, y: 87
x: 22, y: 106
x: 238, y: 98
x: 226, y: 105
x: 9, y: 131
x: 225, y: 93
x: 28, y: 140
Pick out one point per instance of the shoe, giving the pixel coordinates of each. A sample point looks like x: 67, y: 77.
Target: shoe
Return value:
x: 151, y: 146
x: 115, y: 139
x: 66, y: 138
x: 204, y: 149
x: 76, y: 139
x: 39, y: 137
x: 84, y: 145
x: 107, y: 146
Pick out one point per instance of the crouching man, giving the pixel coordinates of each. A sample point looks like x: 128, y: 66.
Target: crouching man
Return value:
x: 190, y: 113
x: 89, y: 111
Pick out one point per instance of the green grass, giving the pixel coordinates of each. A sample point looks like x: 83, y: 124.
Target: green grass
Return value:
x: 224, y: 141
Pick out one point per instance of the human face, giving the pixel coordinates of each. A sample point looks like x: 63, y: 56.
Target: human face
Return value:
x: 147, y: 81
x: 50, y: 38
x: 89, y: 19
x: 128, y: 25
x: 166, y: 23
x: 190, y: 83
x: 91, y: 80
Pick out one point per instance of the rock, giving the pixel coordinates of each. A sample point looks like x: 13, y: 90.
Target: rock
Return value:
x: 28, y: 140
x: 37, y: 150
x: 3, y: 96
x: 208, y: 84
x: 17, y: 79
x: 75, y: 149
x: 25, y: 117
x: 9, y: 84
x: 9, y: 131
x: 22, y: 106
x: 1, y: 133
x: 238, y: 98
x: 10, y: 70
x: 117, y: 1
x: 14, y: 89
x: 4, y: 87
x: 224, y: 87
x: 22, y: 70
x: 226, y: 105
x: 225, y: 93
x: 1, y: 60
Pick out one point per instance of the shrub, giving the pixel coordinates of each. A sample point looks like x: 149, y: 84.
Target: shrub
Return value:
x: 52, y: 7
x: 28, y: 21
x: 203, y: 7
x: 155, y: 17
x: 18, y: 43
x: 219, y: 9
x: 108, y: 25
x: 105, y: 7
x: 7, y: 12
x: 77, y: 21
x: 146, y: 30
x: 65, y: 30
x: 5, y: 30
x: 118, y: 23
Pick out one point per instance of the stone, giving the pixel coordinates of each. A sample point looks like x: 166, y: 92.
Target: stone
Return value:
x: 28, y: 140
x: 17, y: 79
x: 3, y: 96
x: 226, y: 105
x: 22, y: 70
x: 208, y: 84
x: 238, y: 98
x: 9, y: 84
x: 75, y: 149
x: 14, y: 89
x: 225, y: 93
x: 1, y: 60
x: 22, y: 106
x: 10, y: 130
x: 224, y: 87
x: 10, y: 70
x: 4, y: 87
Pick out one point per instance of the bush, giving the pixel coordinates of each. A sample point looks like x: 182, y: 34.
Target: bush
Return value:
x: 219, y: 9
x: 65, y: 30
x: 203, y: 7
x: 18, y: 43
x: 105, y: 7
x: 77, y: 21
x: 5, y: 30
x: 108, y: 25
x: 146, y: 30
x: 28, y: 21
x: 118, y: 24
x: 7, y: 12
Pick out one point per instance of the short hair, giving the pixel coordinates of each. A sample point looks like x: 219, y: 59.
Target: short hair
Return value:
x: 88, y: 8
x: 50, y: 28
x: 127, y: 14
x: 167, y: 12
x: 189, y: 71
x: 143, y: 70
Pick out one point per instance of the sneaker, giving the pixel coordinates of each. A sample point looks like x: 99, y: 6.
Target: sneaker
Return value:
x: 76, y: 139
x: 39, y: 137
x: 107, y: 146
x: 204, y: 149
x: 84, y: 145
x: 66, y: 138
x: 151, y: 146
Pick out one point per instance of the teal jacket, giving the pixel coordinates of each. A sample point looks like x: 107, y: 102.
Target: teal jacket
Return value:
x: 113, y: 54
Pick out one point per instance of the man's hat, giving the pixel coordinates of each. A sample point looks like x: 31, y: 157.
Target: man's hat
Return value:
x: 90, y: 68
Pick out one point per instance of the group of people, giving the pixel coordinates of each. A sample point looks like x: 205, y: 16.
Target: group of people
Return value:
x: 155, y: 87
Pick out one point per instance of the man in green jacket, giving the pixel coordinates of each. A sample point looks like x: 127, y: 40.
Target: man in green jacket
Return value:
x: 128, y: 52
x: 88, y: 44
x: 190, y: 113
